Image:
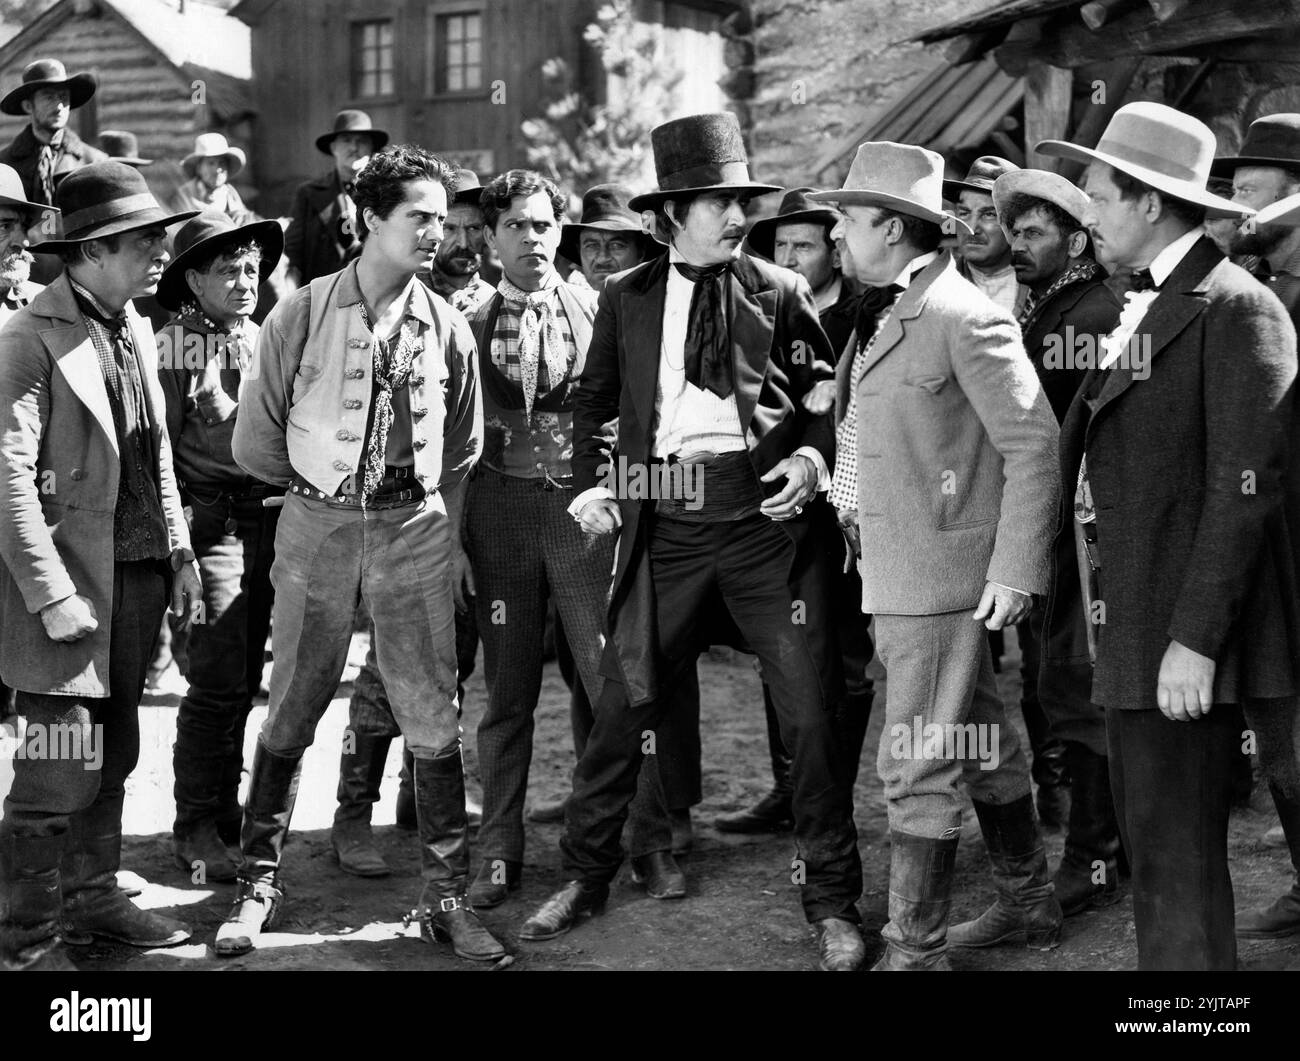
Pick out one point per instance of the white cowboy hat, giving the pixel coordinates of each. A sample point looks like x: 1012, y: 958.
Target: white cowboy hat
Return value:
x: 213, y: 145
x: 897, y: 177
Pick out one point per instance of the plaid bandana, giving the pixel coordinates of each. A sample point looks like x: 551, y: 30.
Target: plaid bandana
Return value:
x: 540, y: 338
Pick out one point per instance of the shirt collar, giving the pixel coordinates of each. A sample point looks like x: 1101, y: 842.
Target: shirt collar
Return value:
x: 1167, y: 260
x: 349, y: 294
x: 904, y: 279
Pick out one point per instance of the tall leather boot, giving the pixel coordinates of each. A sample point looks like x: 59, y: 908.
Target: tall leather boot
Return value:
x: 30, y: 904
x: 272, y: 792
x: 1089, y: 872
x: 197, y: 847
x: 774, y: 812
x: 1282, y: 917
x: 360, y: 773
x: 920, y: 897
x: 1026, y: 910
x: 93, y: 905
x: 443, y: 912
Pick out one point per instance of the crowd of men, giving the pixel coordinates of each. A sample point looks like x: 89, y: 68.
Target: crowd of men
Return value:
x: 922, y: 408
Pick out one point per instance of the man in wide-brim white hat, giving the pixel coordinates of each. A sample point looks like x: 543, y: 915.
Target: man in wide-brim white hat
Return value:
x: 210, y: 167
x: 945, y: 473
x: 1185, y: 421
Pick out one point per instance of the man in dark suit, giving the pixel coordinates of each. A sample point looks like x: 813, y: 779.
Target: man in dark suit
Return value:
x: 704, y: 358
x: 1178, y: 444
x: 323, y: 232
x: 1068, y: 308
x: 1265, y: 171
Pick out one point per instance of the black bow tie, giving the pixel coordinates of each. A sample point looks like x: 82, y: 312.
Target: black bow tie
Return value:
x: 707, y: 353
x: 1142, y: 280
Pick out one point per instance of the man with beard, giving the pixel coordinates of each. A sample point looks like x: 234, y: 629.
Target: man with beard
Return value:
x: 46, y: 150
x: 454, y: 273
x: 984, y: 253
x: 210, y: 167
x: 17, y: 215
x: 1069, y: 309
x: 1264, y: 171
x: 323, y: 232
x: 94, y: 544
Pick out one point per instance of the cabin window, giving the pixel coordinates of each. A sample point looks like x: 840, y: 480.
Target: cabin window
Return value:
x: 457, y: 48
x: 372, y: 59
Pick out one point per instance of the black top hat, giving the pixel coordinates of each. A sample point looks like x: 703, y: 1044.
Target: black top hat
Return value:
x: 208, y: 234
x: 49, y: 73
x: 604, y: 207
x: 352, y: 122
x: 699, y: 153
x: 103, y: 199
x: 1273, y: 140
x: 121, y: 146
x: 796, y: 208
x: 468, y: 188
x: 983, y: 172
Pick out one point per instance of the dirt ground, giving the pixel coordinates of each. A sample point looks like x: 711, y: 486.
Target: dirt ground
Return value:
x: 742, y: 911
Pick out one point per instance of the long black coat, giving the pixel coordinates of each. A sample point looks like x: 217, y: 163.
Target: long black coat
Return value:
x: 1088, y: 308
x: 313, y: 241
x: 24, y: 149
x: 1187, y: 471
x: 779, y: 352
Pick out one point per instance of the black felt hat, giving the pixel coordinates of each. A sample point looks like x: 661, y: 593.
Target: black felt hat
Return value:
x: 208, y: 234
x: 795, y: 209
x: 604, y: 207
x: 49, y: 73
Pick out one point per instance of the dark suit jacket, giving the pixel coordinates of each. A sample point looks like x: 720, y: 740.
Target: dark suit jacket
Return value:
x: 312, y: 242
x: 21, y: 154
x: 1187, y: 474
x: 1088, y: 309
x: 779, y: 352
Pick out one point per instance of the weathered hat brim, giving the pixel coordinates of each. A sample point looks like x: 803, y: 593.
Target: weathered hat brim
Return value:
x: 378, y: 136
x: 1285, y: 212
x: 855, y: 197
x: 80, y: 88
x: 952, y: 189
x: 1226, y: 167
x: 126, y: 223
x: 172, y: 289
x: 189, y: 165
x: 571, y: 233
x: 650, y: 200
x: 32, y: 211
x: 1215, y: 206
x: 762, y: 234
x: 128, y: 161
x: 1038, y: 184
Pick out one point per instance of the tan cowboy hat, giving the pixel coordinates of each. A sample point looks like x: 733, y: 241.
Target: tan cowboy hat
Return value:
x: 1040, y: 184
x: 1165, y: 148
x: 1285, y: 212
x: 698, y: 153
x: 12, y: 194
x: 49, y: 73
x: 213, y: 145
x: 983, y: 172
x: 896, y: 177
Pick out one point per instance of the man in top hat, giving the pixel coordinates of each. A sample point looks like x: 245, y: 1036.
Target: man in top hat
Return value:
x: 204, y: 356
x: 704, y: 357
x: 365, y: 404
x: 607, y: 238
x: 1175, y: 450
x: 46, y: 150
x: 121, y: 146
x: 1266, y: 171
x: 210, y: 167
x: 454, y: 273
x: 94, y: 545
x: 945, y: 476
x: 983, y: 251
x: 798, y: 238
x: 323, y: 231
x: 1069, y: 308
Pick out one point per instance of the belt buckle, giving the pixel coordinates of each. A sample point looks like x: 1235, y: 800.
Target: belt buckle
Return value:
x: 446, y: 906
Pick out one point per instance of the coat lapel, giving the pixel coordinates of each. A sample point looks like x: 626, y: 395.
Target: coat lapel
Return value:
x: 1181, y: 299
x: 751, y: 309
x: 74, y: 353
x: 642, y: 310
x: 908, y: 307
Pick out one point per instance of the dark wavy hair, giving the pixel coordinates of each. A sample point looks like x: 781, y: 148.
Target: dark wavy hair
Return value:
x: 500, y: 191
x: 381, y: 185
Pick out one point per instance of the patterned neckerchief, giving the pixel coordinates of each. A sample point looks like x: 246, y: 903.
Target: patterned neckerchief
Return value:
x: 540, y: 339
x: 1085, y: 269
x: 392, y: 372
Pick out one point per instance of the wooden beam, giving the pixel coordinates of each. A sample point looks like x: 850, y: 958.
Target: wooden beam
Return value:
x: 1048, y: 90
x: 1096, y: 14
x: 1275, y: 48
x: 1009, y: 148
x: 1117, y: 79
x: 970, y: 46
x: 1166, y: 9
x: 1137, y: 32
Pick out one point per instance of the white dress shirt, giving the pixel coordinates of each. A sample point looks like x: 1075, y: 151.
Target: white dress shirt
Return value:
x: 1136, y: 303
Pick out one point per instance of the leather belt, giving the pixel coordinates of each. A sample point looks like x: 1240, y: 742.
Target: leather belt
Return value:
x: 387, y: 496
